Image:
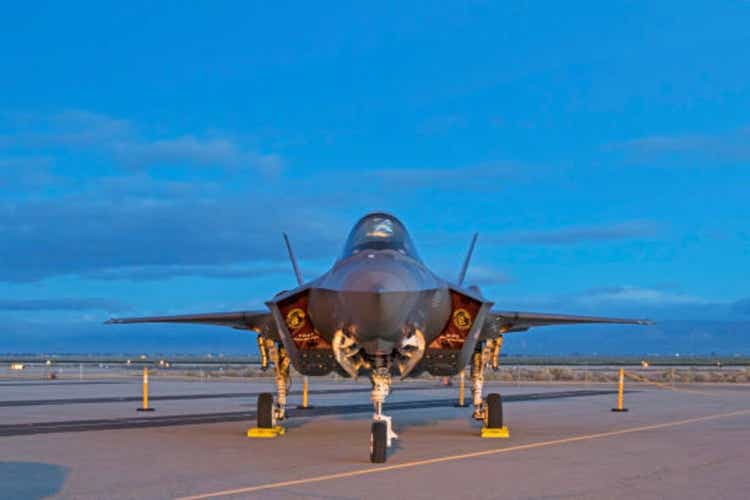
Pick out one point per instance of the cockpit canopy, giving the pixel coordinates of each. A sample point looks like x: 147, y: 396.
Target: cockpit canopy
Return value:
x: 379, y: 231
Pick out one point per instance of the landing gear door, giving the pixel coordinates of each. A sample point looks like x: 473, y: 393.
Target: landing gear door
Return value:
x: 451, y: 350
x: 309, y: 352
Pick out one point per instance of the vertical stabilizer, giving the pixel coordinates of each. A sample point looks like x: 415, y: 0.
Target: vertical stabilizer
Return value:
x: 465, y: 267
x: 297, y: 272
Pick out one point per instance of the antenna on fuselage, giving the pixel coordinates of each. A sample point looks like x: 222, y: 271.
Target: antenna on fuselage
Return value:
x: 465, y: 267
x: 297, y: 273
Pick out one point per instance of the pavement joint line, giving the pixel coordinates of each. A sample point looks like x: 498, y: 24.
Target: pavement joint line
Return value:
x: 464, y: 456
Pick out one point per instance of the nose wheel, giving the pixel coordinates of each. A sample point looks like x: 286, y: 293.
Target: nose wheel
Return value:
x: 378, y: 442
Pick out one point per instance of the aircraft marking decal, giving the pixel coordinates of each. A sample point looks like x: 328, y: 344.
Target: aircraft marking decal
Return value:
x: 301, y: 329
x: 464, y: 310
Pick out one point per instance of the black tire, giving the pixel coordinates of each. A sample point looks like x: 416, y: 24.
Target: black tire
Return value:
x: 494, y: 411
x: 378, y: 442
x: 265, y: 410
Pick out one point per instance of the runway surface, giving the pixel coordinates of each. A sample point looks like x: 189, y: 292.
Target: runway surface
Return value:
x: 565, y: 442
x: 121, y: 399
x: 212, y: 418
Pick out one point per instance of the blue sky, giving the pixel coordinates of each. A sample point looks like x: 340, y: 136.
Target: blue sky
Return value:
x: 150, y: 156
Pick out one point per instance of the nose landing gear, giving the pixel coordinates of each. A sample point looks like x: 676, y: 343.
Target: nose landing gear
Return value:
x: 381, y: 432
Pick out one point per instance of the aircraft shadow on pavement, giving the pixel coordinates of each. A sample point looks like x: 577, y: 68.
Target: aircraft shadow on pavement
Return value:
x: 31, y: 480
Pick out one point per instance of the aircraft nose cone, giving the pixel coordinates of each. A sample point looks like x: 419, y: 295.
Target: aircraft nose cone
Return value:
x: 378, y: 294
x: 378, y: 318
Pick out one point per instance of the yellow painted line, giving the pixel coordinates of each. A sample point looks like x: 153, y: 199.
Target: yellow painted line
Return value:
x: 451, y: 458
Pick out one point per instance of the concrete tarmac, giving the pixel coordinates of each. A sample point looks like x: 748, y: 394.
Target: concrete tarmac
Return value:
x: 565, y: 443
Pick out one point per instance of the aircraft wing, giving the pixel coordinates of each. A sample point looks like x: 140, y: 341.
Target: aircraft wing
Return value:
x: 515, y: 321
x: 242, y: 320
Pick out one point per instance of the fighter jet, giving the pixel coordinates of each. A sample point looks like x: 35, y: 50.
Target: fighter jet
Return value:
x: 379, y: 312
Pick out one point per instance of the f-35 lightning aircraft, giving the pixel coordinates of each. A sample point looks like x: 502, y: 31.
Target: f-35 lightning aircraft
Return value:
x: 379, y: 312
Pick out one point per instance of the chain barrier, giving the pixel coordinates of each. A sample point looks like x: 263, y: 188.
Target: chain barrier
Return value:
x: 668, y: 387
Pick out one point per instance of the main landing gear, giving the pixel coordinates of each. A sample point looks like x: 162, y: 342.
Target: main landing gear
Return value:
x: 269, y: 414
x: 489, y: 411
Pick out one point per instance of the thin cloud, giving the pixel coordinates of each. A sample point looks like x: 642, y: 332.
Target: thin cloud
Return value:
x: 79, y: 235
x: 442, y: 124
x: 62, y: 304
x: 159, y: 273
x: 720, y: 148
x: 26, y: 172
x: 636, y: 295
x: 191, y: 150
x: 481, y: 177
x: 486, y: 276
x: 25, y: 162
x: 583, y: 234
x: 742, y: 306
x: 131, y: 147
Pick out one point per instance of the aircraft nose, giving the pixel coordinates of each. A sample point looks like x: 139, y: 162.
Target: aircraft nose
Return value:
x: 378, y: 295
x: 379, y: 280
x: 378, y: 272
x: 377, y: 318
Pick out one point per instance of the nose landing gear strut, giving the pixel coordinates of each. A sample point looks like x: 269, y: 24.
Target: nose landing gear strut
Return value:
x: 381, y: 433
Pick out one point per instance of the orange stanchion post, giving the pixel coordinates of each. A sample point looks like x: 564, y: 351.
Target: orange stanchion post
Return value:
x: 620, y: 391
x: 461, y: 395
x: 145, y: 406
x: 305, y: 399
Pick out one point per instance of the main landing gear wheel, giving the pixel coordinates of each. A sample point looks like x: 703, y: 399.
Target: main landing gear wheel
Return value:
x: 378, y: 442
x: 265, y: 410
x: 494, y: 411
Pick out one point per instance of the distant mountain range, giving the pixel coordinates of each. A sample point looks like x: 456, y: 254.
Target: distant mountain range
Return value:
x: 665, y: 338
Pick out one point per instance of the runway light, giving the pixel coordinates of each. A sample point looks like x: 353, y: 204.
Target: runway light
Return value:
x: 644, y: 363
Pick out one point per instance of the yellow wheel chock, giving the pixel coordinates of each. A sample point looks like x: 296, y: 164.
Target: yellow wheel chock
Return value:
x: 489, y: 433
x: 271, y: 432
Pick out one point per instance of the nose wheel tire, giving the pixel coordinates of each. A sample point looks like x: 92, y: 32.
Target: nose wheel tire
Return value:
x: 378, y: 442
x: 494, y: 411
x: 265, y: 410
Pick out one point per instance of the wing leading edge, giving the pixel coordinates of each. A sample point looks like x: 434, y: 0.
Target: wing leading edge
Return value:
x: 261, y: 321
x: 515, y: 321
